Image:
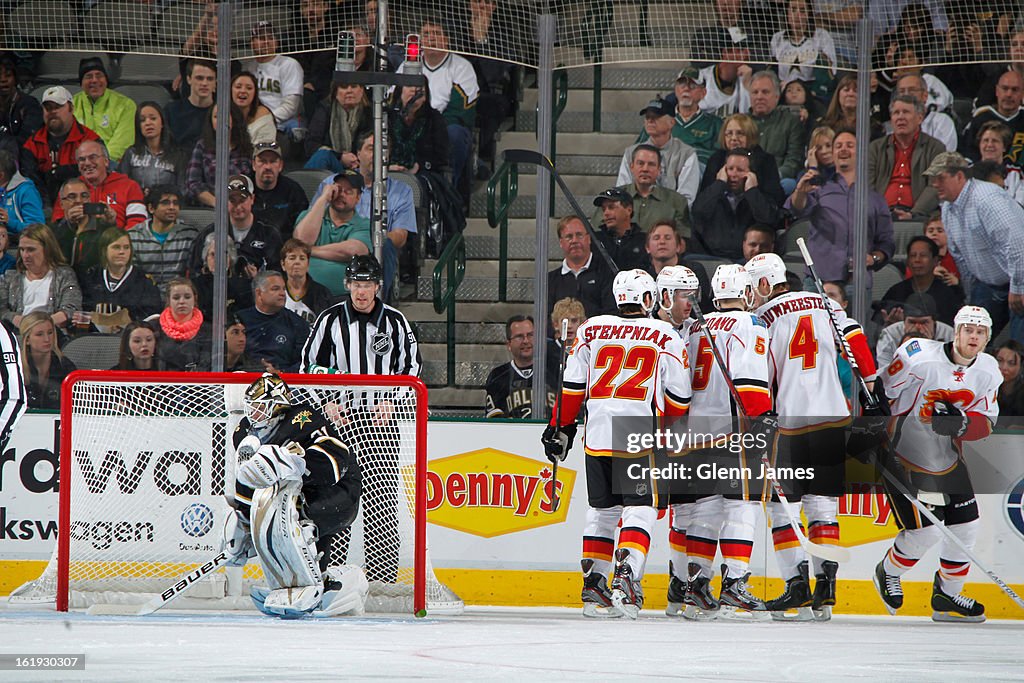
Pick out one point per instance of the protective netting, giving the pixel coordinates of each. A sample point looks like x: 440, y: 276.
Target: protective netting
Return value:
x: 152, y: 462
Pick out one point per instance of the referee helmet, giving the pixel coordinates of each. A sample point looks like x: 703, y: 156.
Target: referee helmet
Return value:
x: 364, y: 269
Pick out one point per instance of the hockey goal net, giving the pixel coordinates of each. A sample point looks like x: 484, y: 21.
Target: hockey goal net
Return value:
x: 147, y: 461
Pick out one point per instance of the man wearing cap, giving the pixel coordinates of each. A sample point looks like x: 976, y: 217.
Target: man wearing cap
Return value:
x: 922, y: 259
x: 651, y: 202
x: 279, y: 199
x: 334, y: 231
x: 121, y: 195
x: 185, y: 117
x: 726, y: 82
x: 680, y: 167
x: 918, y: 321
x: 106, y: 111
x: 621, y: 237
x: 54, y: 146
x: 985, y: 235
x: 697, y: 128
x: 279, y: 78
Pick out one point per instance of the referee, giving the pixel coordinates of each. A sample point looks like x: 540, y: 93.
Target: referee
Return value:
x: 13, y: 393
x: 364, y: 336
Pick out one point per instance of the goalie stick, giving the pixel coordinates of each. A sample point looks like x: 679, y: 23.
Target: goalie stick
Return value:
x: 174, y: 591
x: 871, y: 402
x: 555, y: 500
x: 824, y: 552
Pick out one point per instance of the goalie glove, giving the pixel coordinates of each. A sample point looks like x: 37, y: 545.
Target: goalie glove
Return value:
x: 948, y: 420
x: 270, y: 465
x: 557, y: 441
x: 236, y: 539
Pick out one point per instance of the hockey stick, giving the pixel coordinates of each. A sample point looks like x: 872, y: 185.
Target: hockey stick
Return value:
x: 174, y: 591
x: 872, y: 403
x: 527, y: 156
x: 825, y: 552
x: 555, y: 501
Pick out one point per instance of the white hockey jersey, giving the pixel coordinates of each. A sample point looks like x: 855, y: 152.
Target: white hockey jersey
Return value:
x: 923, y: 372
x: 802, y: 360
x: 623, y: 367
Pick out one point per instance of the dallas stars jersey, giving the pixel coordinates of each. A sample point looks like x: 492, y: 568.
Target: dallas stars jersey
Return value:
x: 623, y: 367
x: 510, y: 392
x: 803, y: 357
x: 923, y: 372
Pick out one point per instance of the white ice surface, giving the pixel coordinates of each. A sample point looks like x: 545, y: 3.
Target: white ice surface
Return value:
x: 511, y: 644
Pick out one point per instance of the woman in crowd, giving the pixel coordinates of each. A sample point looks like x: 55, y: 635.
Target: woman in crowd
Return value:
x: 239, y: 287
x: 797, y: 96
x: 739, y: 130
x: 1010, y: 355
x: 258, y: 120
x: 138, y: 348
x: 202, y: 168
x: 306, y: 297
x: 45, y: 367
x: 842, y: 109
x: 118, y: 283
x: 153, y: 159
x: 41, y: 281
x: 994, y: 139
x: 336, y: 123
x: 819, y: 153
x: 419, y: 135
x: 184, y: 343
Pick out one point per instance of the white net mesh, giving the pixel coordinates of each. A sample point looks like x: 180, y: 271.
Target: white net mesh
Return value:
x: 152, y: 462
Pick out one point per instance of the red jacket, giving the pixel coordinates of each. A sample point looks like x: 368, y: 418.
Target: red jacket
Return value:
x: 121, y: 193
x: 57, y: 167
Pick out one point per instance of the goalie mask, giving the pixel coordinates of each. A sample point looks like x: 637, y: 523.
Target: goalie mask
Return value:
x: 732, y: 282
x: 266, y: 400
x: 635, y: 287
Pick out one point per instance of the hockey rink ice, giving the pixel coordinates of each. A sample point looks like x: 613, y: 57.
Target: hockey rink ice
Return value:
x: 504, y: 643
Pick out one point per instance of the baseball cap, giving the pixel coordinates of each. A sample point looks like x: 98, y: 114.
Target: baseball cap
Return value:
x: 262, y: 28
x: 354, y: 178
x: 261, y: 147
x: 690, y: 73
x: 919, y: 305
x: 659, y: 107
x: 57, y: 94
x: 614, y: 194
x: 945, y: 162
x: 241, y: 183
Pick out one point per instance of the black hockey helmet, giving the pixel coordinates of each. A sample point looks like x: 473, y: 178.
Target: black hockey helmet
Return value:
x: 364, y: 269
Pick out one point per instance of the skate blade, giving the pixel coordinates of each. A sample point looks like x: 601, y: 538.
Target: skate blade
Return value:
x: 694, y: 613
x: 731, y: 613
x: 878, y: 587
x: 823, y: 613
x: 674, y: 609
x: 595, y: 611
x: 628, y: 609
x: 956, y: 618
x: 796, y: 614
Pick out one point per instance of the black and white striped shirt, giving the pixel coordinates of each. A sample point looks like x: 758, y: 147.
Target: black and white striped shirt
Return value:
x: 380, y: 342
x: 13, y: 392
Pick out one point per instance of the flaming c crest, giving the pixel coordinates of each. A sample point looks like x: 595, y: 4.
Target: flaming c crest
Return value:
x: 961, y: 397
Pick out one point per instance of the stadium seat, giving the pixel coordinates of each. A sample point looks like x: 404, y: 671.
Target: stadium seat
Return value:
x: 147, y: 68
x: 118, y: 25
x: 43, y: 25
x: 278, y: 14
x: 903, y: 231
x: 198, y: 216
x: 798, y: 229
x: 885, y: 278
x: 177, y: 23
x: 142, y: 93
x: 309, y: 179
x: 58, y: 67
x: 94, y: 351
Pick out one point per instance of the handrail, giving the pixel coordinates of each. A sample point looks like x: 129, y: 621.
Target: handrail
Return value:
x: 502, y: 190
x: 560, y: 83
x: 453, y: 263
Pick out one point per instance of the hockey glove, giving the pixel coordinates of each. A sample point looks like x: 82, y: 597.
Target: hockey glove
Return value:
x: 237, y: 539
x: 270, y: 465
x: 557, y: 441
x: 247, y: 447
x: 948, y: 420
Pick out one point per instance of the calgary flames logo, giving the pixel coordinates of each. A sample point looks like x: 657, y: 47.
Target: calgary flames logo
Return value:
x: 961, y: 397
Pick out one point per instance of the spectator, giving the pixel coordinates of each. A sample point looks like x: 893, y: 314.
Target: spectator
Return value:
x: 20, y: 114
x: 730, y: 204
x: 936, y: 123
x: 186, y: 116
x: 967, y: 46
x: 651, y: 201
x: 780, y: 133
x: 583, y: 275
x: 896, y: 163
x: 305, y: 296
x: 201, y: 43
x: 184, y: 343
x: 334, y: 231
x: 986, y: 94
x: 239, y: 294
x: 41, y: 281
x: 842, y: 109
x: 258, y: 244
x: 279, y: 78
x: 77, y: 233
x: 509, y: 388
x: 571, y: 311
x: 138, y: 348
x: 161, y: 245
x: 54, y: 147
x: 20, y: 203
x: 235, y: 357
x: 274, y: 334
x: 801, y: 104
x: 994, y: 139
x: 1005, y: 110
x: 279, y: 199
x: 922, y: 260
x: 621, y: 237
x: 726, y: 82
x: 6, y: 260
x: 259, y: 121
x: 104, y: 110
x: 419, y: 134
x: 315, y: 45
x: 695, y: 127
x: 819, y: 153
x: 837, y: 292
x: 740, y: 132
x: 121, y: 195
x: 117, y: 282
x: 202, y: 168
x: 803, y: 51
x: 1010, y: 355
x: 918, y: 320
x: 680, y: 167
x: 947, y: 270
x: 153, y: 159
x: 830, y: 206
x: 758, y: 239
x: 45, y: 367
x: 985, y: 229
x: 666, y: 246
x: 738, y: 24
x: 336, y: 122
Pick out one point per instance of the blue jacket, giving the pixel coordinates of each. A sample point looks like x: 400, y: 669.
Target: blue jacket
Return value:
x: 277, y: 338
x: 22, y: 202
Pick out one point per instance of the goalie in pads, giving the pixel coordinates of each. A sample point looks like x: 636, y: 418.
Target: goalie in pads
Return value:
x: 296, y: 486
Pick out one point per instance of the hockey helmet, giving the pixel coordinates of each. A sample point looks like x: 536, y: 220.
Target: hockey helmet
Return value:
x: 674, y: 279
x: 635, y: 287
x: 266, y: 400
x: 768, y: 266
x: 732, y: 281
x: 364, y: 269
x: 973, y: 315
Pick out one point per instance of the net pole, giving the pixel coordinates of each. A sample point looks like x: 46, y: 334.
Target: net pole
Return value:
x: 860, y: 298
x: 545, y: 116
x: 220, y: 273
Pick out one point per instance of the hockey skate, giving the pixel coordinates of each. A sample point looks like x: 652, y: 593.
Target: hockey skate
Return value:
x: 797, y: 596
x: 627, y: 594
x: 676, y: 594
x: 955, y: 608
x: 597, y: 599
x: 700, y: 603
x: 890, y: 588
x: 737, y: 603
x: 824, y: 597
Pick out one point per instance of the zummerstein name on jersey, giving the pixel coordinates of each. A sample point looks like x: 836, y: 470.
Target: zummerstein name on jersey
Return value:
x: 794, y: 305
x: 627, y: 331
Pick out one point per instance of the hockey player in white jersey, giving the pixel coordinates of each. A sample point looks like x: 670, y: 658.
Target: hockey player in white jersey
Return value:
x: 812, y: 412
x: 678, y: 287
x: 942, y: 394
x: 624, y: 366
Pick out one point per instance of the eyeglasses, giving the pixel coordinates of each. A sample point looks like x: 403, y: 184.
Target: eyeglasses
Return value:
x: 91, y: 158
x: 522, y: 337
x: 82, y: 196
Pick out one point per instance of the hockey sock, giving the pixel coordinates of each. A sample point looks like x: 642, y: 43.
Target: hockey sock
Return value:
x: 737, y: 540
x: 635, y: 536
x: 822, y: 524
x: 677, y: 539
x: 953, y: 562
x: 599, y: 537
x: 910, y: 546
x: 702, y: 533
x: 788, y: 553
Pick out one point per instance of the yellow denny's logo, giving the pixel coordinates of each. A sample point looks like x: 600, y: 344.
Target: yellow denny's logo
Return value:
x: 865, y: 515
x: 490, y: 493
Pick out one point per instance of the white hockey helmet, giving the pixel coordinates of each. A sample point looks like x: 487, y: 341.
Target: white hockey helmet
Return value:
x: 674, y: 279
x: 973, y: 315
x: 731, y: 281
x: 769, y: 266
x: 635, y: 287
x: 266, y: 400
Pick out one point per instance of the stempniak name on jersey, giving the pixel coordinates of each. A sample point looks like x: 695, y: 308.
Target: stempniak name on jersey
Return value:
x: 627, y: 331
x: 794, y: 305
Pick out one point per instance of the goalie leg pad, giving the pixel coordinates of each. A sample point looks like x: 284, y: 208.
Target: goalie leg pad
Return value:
x: 286, y: 547
x: 345, y: 592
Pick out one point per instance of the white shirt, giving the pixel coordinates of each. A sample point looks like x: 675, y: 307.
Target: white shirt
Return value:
x: 36, y: 294
x: 280, y: 84
x: 719, y: 103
